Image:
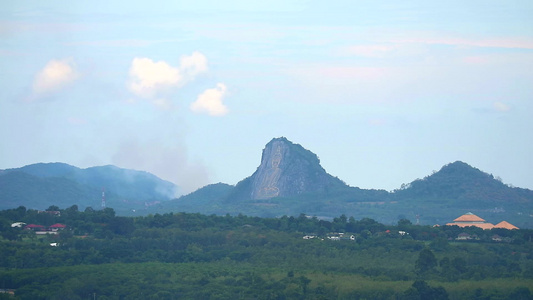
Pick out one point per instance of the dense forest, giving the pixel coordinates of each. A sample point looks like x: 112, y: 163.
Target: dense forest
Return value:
x: 98, y: 255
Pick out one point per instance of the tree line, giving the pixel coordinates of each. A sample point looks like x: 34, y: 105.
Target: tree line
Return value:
x: 188, y: 255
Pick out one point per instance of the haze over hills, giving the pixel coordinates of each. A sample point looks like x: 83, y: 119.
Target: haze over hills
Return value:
x: 288, y: 181
x: 44, y: 184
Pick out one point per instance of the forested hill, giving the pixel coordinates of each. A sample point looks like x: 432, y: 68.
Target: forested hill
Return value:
x: 437, y: 199
x: 208, y: 199
x: 462, y: 185
x: 44, y: 184
x: 19, y: 188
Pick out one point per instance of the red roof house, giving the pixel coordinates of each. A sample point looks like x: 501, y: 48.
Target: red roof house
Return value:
x: 34, y: 227
x: 59, y: 226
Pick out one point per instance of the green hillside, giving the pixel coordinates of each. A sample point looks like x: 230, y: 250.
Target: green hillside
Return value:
x: 207, y: 200
x: 437, y: 199
x: 41, y: 185
x: 461, y: 184
x: 20, y: 188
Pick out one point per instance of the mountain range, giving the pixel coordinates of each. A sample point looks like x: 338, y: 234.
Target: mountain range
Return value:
x: 288, y: 181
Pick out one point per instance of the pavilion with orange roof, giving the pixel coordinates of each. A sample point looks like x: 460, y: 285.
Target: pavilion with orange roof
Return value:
x: 469, y: 219
x: 506, y: 225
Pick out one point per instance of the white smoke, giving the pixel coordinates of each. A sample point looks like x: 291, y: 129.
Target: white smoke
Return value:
x: 171, y: 163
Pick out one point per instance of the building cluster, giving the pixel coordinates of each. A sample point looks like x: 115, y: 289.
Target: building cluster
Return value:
x: 338, y: 236
x: 469, y: 219
x: 8, y: 291
x: 334, y: 236
x: 466, y: 220
x: 40, y: 229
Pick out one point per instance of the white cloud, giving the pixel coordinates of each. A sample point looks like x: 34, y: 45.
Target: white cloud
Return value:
x: 193, y: 65
x: 151, y: 80
x: 210, y: 101
x: 148, y: 77
x: 55, y: 75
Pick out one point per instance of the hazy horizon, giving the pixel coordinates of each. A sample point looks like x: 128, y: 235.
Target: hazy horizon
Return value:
x: 384, y: 93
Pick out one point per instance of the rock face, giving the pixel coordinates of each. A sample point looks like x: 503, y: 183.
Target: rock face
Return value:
x: 288, y: 169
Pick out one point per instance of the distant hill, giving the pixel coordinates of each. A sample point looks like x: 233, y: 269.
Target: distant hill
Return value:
x: 462, y: 185
x: 458, y: 188
x: 290, y: 181
x: 19, y: 188
x: 286, y: 170
x: 43, y: 184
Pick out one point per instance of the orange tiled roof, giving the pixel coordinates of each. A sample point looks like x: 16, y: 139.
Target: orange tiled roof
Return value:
x: 506, y: 225
x: 480, y: 225
x: 469, y: 217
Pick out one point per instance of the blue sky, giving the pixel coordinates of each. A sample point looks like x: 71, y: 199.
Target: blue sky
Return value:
x: 384, y: 92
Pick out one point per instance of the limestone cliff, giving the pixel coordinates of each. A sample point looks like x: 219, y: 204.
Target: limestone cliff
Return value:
x: 286, y: 170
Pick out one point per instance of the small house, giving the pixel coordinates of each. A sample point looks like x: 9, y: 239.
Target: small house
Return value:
x: 34, y: 227
x: 57, y: 227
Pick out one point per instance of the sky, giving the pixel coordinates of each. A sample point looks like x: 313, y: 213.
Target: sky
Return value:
x: 384, y: 92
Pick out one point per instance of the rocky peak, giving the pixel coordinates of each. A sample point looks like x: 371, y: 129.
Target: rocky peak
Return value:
x: 288, y: 169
